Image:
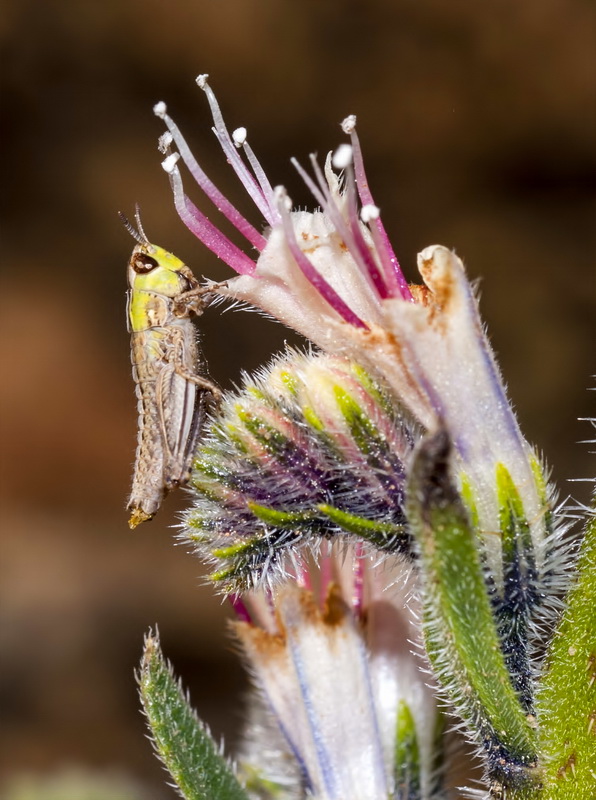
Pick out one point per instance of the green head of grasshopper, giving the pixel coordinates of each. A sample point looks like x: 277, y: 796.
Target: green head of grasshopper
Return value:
x: 155, y: 279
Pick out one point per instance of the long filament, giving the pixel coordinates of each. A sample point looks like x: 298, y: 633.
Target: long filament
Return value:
x: 205, y: 230
x: 393, y: 274
x: 209, y: 188
x: 227, y: 145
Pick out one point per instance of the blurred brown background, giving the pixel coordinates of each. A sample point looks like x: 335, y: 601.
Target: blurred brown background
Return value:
x: 477, y: 121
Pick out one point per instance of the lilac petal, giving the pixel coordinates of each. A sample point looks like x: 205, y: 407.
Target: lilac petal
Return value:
x: 315, y: 677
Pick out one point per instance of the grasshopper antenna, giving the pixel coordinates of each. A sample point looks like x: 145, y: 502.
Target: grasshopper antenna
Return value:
x: 139, y: 235
x: 139, y: 223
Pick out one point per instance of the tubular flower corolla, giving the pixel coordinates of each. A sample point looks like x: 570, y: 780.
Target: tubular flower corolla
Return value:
x: 330, y: 655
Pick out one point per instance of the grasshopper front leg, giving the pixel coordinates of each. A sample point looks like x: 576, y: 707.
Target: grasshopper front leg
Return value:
x: 193, y: 300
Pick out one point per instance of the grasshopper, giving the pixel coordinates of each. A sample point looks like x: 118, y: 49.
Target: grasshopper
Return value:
x: 172, y: 395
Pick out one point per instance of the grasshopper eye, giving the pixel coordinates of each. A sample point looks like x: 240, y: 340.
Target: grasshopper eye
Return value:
x: 142, y: 263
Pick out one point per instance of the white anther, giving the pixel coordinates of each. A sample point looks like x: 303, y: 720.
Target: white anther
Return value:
x: 369, y: 212
x: 281, y: 198
x: 169, y: 164
x: 342, y: 157
x: 202, y: 80
x: 160, y: 109
x: 349, y: 124
x: 164, y: 142
x: 239, y: 136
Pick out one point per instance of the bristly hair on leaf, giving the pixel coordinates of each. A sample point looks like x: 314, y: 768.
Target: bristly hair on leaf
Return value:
x: 181, y: 741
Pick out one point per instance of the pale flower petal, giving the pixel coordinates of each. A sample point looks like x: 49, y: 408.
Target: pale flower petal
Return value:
x: 315, y: 676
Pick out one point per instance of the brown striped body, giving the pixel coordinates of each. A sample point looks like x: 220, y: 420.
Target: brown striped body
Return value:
x: 171, y: 392
x: 170, y: 410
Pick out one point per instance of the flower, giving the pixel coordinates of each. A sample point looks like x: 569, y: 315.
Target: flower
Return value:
x: 353, y: 709
x: 333, y: 276
x: 391, y: 459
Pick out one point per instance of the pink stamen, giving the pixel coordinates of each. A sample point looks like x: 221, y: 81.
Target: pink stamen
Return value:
x: 393, y: 274
x: 358, y: 585
x: 227, y: 145
x: 262, y: 178
x: 323, y: 197
x: 240, y: 608
x: 326, y: 575
x: 222, y: 204
x: 374, y: 271
x: 205, y: 230
x: 310, y: 273
x: 312, y: 186
x: 352, y: 236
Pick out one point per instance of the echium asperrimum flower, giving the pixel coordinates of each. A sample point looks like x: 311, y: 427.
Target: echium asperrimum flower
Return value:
x: 400, y: 439
x: 332, y: 275
x: 332, y: 661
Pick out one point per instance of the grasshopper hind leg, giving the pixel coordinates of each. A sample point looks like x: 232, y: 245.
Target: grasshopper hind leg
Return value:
x: 183, y: 397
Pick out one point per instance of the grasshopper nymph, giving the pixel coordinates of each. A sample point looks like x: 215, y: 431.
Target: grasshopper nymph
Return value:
x: 163, y: 295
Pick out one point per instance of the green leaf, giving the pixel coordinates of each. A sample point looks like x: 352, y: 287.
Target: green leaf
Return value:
x: 181, y: 740
x: 406, y: 759
x: 385, y: 535
x: 567, y: 699
x: 460, y: 630
x: 514, y: 608
x: 281, y: 519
